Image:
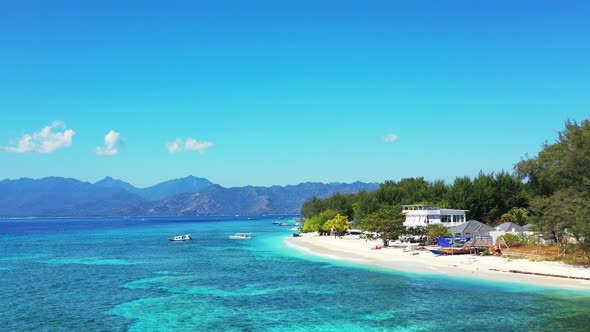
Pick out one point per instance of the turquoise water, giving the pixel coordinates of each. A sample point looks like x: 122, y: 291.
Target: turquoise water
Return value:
x: 122, y: 274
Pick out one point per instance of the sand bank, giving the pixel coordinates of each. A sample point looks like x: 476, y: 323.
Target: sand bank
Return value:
x: 422, y: 261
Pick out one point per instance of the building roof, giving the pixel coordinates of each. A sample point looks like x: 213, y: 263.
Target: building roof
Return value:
x: 470, y: 227
x: 428, y: 209
x: 528, y: 227
x: 510, y: 227
x: 419, y: 207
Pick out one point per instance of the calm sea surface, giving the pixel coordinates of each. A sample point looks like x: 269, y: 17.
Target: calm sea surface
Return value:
x: 116, y: 274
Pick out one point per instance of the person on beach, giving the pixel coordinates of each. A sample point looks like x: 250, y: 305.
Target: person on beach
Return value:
x: 497, y: 251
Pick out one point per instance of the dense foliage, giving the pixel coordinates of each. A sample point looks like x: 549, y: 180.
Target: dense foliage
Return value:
x: 551, y: 191
x: 386, y: 223
x: 487, y: 197
x: 436, y: 231
x: 558, y: 180
x: 508, y: 240
x: 318, y: 221
x: 338, y: 224
x: 516, y: 215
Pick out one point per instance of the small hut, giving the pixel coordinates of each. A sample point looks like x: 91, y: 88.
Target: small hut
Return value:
x: 470, y: 228
x: 510, y: 227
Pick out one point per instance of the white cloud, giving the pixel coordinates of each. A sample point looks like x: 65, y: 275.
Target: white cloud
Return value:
x: 112, y: 141
x: 190, y: 144
x: 45, y: 141
x: 390, y: 138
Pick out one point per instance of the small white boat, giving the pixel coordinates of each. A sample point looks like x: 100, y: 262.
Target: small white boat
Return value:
x: 241, y: 236
x: 294, y: 229
x: 185, y: 237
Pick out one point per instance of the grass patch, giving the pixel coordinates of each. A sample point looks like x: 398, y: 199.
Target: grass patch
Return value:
x: 546, y: 253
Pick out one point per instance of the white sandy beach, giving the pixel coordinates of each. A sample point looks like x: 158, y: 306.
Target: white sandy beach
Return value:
x: 422, y: 261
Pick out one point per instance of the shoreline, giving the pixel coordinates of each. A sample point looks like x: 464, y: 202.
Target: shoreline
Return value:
x: 488, y: 268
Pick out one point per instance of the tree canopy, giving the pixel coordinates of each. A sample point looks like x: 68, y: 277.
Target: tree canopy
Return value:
x: 564, y: 164
x: 338, y: 224
x: 387, y: 222
x: 487, y: 197
x: 318, y: 221
x: 558, y: 181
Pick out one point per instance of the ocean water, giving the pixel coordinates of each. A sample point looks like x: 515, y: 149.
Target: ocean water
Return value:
x: 116, y: 274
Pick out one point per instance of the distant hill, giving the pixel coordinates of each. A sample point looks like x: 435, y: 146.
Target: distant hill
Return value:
x: 189, y: 184
x: 55, y: 196
x: 217, y: 200
x: 109, y: 182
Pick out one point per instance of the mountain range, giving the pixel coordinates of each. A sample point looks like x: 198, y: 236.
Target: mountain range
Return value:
x: 61, y: 197
x: 160, y: 191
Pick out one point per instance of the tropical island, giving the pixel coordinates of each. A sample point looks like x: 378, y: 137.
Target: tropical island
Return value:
x: 548, y: 195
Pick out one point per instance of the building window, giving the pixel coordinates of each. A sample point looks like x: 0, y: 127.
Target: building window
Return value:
x: 445, y: 218
x: 459, y: 218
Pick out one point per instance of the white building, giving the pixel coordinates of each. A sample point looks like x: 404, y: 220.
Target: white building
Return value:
x: 506, y: 228
x: 424, y: 215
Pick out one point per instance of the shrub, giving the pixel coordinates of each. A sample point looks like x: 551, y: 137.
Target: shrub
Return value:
x: 525, y: 239
x: 435, y: 231
x: 510, y: 240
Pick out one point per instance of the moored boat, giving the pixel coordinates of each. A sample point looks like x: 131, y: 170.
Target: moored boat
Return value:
x: 241, y: 236
x: 455, y: 251
x: 436, y: 251
x: 449, y: 250
x: 186, y: 237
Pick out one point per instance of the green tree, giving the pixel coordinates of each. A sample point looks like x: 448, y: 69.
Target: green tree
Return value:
x: 366, y: 203
x: 388, y: 193
x: 483, y: 205
x: 580, y: 229
x: 437, y: 193
x: 415, y: 231
x: 316, y: 223
x: 338, y: 224
x: 341, y: 203
x: 564, y: 164
x: 460, y: 194
x: 553, y: 215
x: 435, y: 231
x: 312, y: 207
x: 414, y: 190
x: 509, y: 192
x: 387, y: 222
x: 509, y: 240
x: 516, y: 215
x: 559, y: 180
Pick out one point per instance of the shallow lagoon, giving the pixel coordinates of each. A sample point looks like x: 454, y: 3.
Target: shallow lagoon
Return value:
x: 122, y: 274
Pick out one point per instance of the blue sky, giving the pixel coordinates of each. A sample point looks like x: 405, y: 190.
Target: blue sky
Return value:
x: 282, y: 92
